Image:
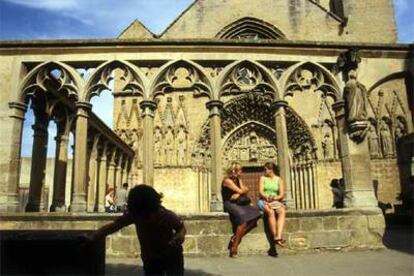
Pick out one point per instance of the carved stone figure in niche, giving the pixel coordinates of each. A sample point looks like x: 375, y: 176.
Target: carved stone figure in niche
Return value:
x: 306, y: 78
x: 355, y: 96
x: 136, y: 146
x: 181, y: 146
x: 386, y: 139
x: 158, y: 145
x: 253, y: 150
x: 373, y: 141
x: 328, y: 147
x: 169, y: 147
x: 400, y: 128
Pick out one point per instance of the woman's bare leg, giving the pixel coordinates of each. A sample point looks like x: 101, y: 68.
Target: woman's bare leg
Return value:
x: 281, y: 217
x: 241, y: 229
x: 271, y: 220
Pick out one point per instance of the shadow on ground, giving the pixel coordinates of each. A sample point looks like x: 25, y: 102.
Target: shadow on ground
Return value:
x: 399, y: 237
x: 130, y: 269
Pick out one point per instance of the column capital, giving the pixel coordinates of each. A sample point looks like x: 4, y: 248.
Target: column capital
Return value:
x: 84, y: 105
x: 339, y: 108
x: 274, y: 106
x: 148, y: 107
x: 214, y: 103
x: 18, y: 109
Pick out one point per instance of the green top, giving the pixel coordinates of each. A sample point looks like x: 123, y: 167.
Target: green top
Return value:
x: 271, y: 186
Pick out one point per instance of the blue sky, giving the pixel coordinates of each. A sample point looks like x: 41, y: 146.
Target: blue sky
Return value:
x: 68, y: 19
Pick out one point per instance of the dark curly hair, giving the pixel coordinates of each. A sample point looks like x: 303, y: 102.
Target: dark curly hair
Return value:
x: 143, y: 199
x: 272, y: 166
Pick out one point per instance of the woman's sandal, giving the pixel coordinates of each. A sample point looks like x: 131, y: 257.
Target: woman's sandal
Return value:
x: 280, y: 242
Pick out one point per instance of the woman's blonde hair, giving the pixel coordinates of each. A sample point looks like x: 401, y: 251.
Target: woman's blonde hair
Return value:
x: 232, y: 168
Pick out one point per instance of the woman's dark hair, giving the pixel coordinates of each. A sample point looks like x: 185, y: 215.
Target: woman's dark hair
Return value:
x: 143, y: 199
x: 272, y: 166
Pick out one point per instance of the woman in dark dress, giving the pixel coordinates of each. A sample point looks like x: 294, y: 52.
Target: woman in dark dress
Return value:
x: 244, y: 217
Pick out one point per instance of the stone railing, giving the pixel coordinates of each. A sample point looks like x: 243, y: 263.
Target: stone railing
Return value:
x: 208, y: 234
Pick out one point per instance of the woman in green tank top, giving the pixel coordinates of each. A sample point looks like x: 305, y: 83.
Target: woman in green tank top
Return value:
x: 272, y: 193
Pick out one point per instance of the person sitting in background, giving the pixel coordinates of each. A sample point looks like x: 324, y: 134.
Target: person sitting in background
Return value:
x: 160, y: 231
x: 121, y: 198
x: 110, y: 201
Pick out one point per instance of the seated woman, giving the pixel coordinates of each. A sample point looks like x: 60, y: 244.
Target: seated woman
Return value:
x: 242, y: 214
x: 272, y: 193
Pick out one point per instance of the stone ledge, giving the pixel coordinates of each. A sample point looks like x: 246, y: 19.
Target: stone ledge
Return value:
x: 209, y: 233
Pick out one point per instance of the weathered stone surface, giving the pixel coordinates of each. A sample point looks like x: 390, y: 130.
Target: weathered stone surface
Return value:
x: 352, y: 222
x: 330, y: 223
x: 329, y: 239
x: 376, y: 222
x: 311, y: 224
x: 292, y: 225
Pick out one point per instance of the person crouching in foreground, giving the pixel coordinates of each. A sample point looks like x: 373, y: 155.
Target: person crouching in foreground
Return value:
x: 160, y: 232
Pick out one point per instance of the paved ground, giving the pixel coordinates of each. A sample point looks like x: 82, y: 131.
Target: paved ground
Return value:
x: 397, y: 259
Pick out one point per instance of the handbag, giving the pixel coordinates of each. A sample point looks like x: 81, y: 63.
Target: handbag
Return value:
x: 243, y: 200
x: 275, y: 205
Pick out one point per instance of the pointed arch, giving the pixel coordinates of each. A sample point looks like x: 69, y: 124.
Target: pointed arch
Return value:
x: 245, y: 124
x: 321, y: 79
x: 255, y: 77
x: 393, y: 76
x: 68, y: 78
x: 180, y: 74
x: 250, y: 28
x: 134, y: 80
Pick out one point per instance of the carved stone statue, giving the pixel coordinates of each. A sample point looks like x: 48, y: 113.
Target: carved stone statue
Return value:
x: 400, y: 128
x: 373, y: 142
x: 158, y: 146
x: 328, y: 147
x: 169, y: 147
x: 355, y: 96
x: 253, y: 147
x: 386, y: 140
x: 181, y: 146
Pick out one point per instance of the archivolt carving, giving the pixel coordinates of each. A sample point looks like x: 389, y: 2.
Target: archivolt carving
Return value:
x: 118, y: 76
x: 51, y: 74
x: 181, y: 75
x: 251, y: 142
x: 247, y: 76
x: 310, y: 77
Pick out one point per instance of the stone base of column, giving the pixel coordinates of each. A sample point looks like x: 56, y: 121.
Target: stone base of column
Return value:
x: 101, y: 208
x: 360, y: 199
x: 32, y: 206
x: 216, y: 205
x: 78, y: 204
x: 9, y: 203
x: 58, y: 207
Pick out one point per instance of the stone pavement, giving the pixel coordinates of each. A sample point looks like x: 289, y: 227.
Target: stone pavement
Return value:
x: 396, y: 259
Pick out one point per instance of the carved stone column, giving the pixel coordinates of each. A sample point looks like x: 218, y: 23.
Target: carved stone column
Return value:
x: 103, y: 174
x: 80, y: 163
x: 39, y: 158
x: 148, y: 108
x: 216, y: 203
x: 355, y: 157
x: 118, y: 174
x: 278, y: 108
x: 125, y: 171
x: 111, y: 169
x: 59, y: 176
x: 10, y: 161
x: 92, y: 179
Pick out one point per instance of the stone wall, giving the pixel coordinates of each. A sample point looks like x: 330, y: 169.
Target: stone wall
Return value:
x: 298, y: 20
x: 208, y: 234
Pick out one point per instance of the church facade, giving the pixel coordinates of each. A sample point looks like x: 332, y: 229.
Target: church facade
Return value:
x: 318, y: 87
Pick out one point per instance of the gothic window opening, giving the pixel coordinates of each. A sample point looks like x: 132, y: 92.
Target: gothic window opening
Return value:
x: 250, y: 28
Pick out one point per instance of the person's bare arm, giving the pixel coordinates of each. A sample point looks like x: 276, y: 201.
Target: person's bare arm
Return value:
x: 232, y: 186
x: 281, y: 195
x: 179, y: 235
x: 112, y: 227
x: 261, y: 189
x: 243, y: 188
